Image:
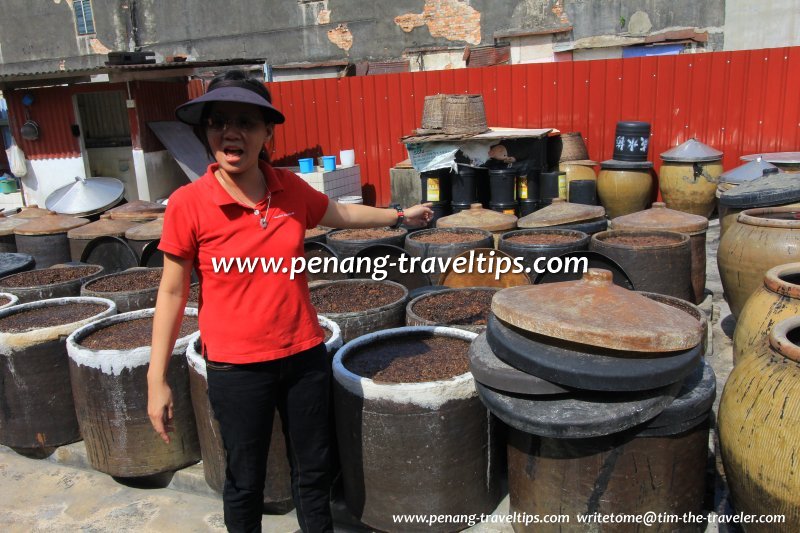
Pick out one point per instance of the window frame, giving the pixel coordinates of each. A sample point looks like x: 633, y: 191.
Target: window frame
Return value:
x: 85, y: 6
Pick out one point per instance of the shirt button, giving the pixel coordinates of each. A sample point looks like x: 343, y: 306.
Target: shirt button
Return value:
x: 256, y: 212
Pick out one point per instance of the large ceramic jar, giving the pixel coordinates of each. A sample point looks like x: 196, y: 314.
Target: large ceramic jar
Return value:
x: 578, y: 170
x: 761, y: 239
x: 688, y: 177
x: 778, y: 298
x: 625, y: 187
x: 738, y: 176
x: 773, y: 189
x: 660, y: 217
x: 759, y: 429
x: 567, y: 215
x: 478, y: 217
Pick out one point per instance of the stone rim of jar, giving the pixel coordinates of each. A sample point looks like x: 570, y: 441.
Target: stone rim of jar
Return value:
x: 779, y: 338
x: 773, y: 280
x: 756, y: 217
x: 603, y: 235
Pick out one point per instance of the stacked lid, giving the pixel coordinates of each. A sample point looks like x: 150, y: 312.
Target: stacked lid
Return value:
x: 691, y: 151
x: 773, y: 189
x: 660, y: 217
x: 137, y: 211
x: 51, y: 224
x: 585, y: 358
x: 748, y: 172
x: 146, y: 232
x: 561, y: 213
x: 102, y: 227
x: 478, y: 217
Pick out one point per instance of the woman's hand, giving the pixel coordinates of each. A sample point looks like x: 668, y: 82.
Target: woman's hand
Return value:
x: 159, y: 407
x: 418, y: 215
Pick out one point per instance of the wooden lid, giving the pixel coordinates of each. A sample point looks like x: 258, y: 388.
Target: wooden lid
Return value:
x: 51, y: 224
x: 660, y: 217
x: 8, y: 224
x: 561, y: 212
x: 104, y: 226
x: 478, y: 217
x: 32, y: 212
x: 137, y: 210
x: 146, y: 232
x: 596, y: 312
x: 471, y: 276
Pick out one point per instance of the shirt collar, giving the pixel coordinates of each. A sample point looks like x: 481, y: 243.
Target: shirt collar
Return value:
x: 221, y: 197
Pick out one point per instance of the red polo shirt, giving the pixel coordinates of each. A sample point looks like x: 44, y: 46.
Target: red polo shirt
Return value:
x: 247, y: 317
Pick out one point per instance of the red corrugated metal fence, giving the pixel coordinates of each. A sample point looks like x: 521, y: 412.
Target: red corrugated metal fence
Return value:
x: 738, y: 102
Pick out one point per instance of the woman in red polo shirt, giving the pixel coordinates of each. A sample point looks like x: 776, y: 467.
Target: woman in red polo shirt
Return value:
x: 261, y: 338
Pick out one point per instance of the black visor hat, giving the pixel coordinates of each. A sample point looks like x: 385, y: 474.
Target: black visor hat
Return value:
x: 192, y: 111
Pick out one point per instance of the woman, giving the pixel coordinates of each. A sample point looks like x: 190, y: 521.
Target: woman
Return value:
x: 261, y: 339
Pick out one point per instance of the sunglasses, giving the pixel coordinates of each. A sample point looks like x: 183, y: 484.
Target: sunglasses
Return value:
x: 242, y: 122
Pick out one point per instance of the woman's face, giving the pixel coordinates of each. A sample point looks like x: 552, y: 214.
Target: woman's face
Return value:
x: 236, y: 134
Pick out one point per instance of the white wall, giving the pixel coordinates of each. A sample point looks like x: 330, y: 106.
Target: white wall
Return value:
x: 761, y: 24
x: 46, y: 175
x: 163, y: 174
x: 115, y: 163
x: 532, y: 49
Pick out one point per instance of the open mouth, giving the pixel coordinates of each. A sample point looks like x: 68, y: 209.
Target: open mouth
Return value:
x: 233, y: 154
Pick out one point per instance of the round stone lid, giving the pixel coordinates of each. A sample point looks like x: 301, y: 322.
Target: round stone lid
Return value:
x: 561, y: 212
x: 478, y: 217
x: 767, y: 191
x: 102, y: 227
x: 692, y: 151
x: 146, y: 232
x: 660, y: 217
x: 32, y: 212
x: 748, y: 172
x: 595, y: 312
x: 137, y: 210
x: 8, y: 224
x: 51, y: 224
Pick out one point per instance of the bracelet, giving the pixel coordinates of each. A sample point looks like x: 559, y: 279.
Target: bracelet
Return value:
x: 400, y: 217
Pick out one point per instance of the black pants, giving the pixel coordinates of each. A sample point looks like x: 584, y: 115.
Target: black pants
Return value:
x: 244, y: 398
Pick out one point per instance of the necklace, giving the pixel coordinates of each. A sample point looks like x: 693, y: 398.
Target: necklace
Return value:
x: 263, y: 221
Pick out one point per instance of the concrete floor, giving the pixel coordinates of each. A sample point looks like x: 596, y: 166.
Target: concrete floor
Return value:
x: 62, y: 493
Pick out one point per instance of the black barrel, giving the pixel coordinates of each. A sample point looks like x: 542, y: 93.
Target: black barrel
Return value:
x: 503, y: 185
x: 465, y: 185
x: 11, y: 263
x: 546, y: 243
x: 528, y: 184
x: 44, y: 283
x: 548, y: 187
x: 441, y: 210
x: 632, y: 141
x: 459, y: 240
x: 526, y: 207
x: 583, y: 192
x: 350, y: 246
x: 507, y: 209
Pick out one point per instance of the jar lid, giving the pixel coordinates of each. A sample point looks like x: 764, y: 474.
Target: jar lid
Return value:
x: 104, y: 226
x: 692, y: 151
x: 51, y: 224
x: 596, y: 312
x: 32, y: 212
x: 767, y: 191
x: 614, y: 164
x: 478, y: 217
x: 8, y: 224
x: 85, y: 196
x: 561, y: 212
x: 660, y: 217
x: 146, y: 232
x: 747, y: 172
x: 137, y: 210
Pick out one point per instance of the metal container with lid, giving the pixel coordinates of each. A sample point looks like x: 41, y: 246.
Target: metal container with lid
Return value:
x: 688, y: 177
x: 86, y: 196
x: 660, y: 217
x: 564, y: 215
x: 625, y: 187
x: 478, y: 217
x: 45, y: 238
x: 141, y: 234
x: 7, y: 226
x: 137, y: 211
x: 772, y: 189
x: 80, y: 237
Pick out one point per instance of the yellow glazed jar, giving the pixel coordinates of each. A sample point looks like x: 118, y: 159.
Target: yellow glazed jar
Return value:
x: 690, y: 187
x: 625, y: 188
x: 577, y: 171
x: 777, y: 299
x: 759, y: 429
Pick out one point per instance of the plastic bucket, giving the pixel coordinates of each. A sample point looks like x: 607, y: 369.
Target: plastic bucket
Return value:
x: 347, y: 158
x: 329, y: 163
x: 306, y: 165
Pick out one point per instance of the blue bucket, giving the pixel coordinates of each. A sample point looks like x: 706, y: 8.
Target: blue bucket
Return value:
x: 329, y: 162
x: 306, y: 165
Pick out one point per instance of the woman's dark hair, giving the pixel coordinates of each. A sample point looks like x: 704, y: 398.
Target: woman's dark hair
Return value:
x: 234, y: 78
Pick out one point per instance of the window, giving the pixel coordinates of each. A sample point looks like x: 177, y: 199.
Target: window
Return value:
x: 83, y: 16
